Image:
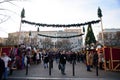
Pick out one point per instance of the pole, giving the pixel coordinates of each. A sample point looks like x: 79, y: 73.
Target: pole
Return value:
x: 27, y: 69
x: 19, y: 36
x: 102, y: 31
x: 37, y: 38
x: 73, y: 67
x: 97, y: 68
x: 50, y: 68
x: 103, y: 42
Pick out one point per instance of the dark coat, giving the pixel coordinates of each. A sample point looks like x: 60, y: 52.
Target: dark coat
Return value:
x: 46, y: 58
x: 2, y: 68
x: 2, y: 65
x: 62, y: 59
x: 73, y: 56
x: 95, y: 59
x: 50, y: 56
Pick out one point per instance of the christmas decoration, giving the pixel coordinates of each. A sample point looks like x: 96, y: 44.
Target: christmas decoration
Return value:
x: 60, y: 25
x: 61, y: 36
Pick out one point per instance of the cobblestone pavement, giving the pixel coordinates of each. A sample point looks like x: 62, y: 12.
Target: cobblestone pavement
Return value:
x: 37, y: 72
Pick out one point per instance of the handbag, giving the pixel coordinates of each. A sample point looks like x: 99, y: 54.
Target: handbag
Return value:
x: 59, y: 66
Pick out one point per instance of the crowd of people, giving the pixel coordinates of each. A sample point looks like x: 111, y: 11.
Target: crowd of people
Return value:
x: 21, y: 57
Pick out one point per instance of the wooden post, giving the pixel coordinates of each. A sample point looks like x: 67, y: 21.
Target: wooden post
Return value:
x: 104, y: 59
x: 102, y: 31
x: 103, y: 42
x: 19, y: 35
x: 111, y: 58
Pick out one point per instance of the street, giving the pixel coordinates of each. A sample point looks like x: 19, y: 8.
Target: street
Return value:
x: 37, y: 72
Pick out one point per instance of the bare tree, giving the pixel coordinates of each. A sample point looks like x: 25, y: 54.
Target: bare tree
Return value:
x: 4, y: 17
x: 112, y: 39
x: 26, y: 40
x: 12, y: 40
x: 58, y: 44
x: 34, y: 41
x: 118, y: 38
x: 66, y: 44
x: 47, y: 43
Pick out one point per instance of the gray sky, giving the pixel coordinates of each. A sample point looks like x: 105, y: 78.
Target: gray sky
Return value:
x: 58, y: 12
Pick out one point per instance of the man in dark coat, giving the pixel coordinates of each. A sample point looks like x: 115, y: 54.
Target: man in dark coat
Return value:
x: 95, y: 59
x: 46, y: 60
x: 2, y: 68
x: 51, y: 57
x: 62, y: 62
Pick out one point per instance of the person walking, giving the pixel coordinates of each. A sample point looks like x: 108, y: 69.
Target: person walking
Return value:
x: 101, y: 60
x: 38, y: 56
x: 6, y: 59
x: 2, y: 68
x: 26, y: 61
x: 88, y: 63
x: 62, y: 62
x: 51, y: 59
x: 45, y: 59
x: 95, y: 59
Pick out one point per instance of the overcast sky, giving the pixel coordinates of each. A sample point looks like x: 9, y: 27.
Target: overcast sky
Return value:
x: 58, y: 12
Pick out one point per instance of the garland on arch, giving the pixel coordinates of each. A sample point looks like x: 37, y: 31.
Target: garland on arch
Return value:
x: 61, y: 36
x: 60, y: 25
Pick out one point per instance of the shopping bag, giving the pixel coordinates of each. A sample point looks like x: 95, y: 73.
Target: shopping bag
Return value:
x: 59, y: 66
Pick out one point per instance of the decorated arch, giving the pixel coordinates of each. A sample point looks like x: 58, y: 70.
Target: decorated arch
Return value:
x: 60, y: 25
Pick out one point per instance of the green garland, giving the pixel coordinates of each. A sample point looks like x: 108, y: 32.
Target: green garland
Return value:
x: 58, y: 25
x: 61, y: 36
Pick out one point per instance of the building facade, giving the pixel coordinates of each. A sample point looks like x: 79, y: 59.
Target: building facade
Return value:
x: 32, y: 38
x: 111, y: 37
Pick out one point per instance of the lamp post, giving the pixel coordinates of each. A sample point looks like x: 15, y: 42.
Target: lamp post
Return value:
x: 100, y: 16
x: 30, y: 38
x: 38, y: 37
x: 22, y: 16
